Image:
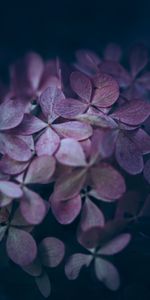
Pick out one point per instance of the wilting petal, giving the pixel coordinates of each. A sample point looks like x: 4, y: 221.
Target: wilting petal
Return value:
x: 43, y: 284
x: 142, y: 140
x: 69, y: 108
x: 107, y: 273
x: 48, y: 100
x: 21, y: 247
x: 128, y: 205
x: 70, y: 153
x: 81, y: 85
x: 107, y: 181
x: 40, y: 170
x: 70, y: 184
x: 51, y: 251
x: 11, y: 113
x: 128, y: 155
x: 29, y: 125
x: 112, y: 52
x: 66, y: 211
x: 133, y: 113
x: 147, y: 171
x: 107, y: 90
x: 75, y: 263
x: 91, y: 217
x: 32, y: 207
x: 14, y: 147
x: 138, y: 59
x: 73, y: 129
x: 115, y: 245
x: 47, y: 143
x: 10, y: 189
x: 11, y: 166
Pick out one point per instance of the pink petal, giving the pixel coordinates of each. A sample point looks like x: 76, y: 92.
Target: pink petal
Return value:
x: 48, y: 100
x: 75, y: 157
x: 29, y: 125
x: 14, y: 147
x: 73, y: 129
x: 146, y: 171
x: 69, y: 185
x: 28, y: 139
x: 107, y: 90
x: 138, y: 59
x: 107, y: 273
x: 11, y: 113
x: 32, y: 207
x: 107, y: 181
x: 112, y: 52
x: 40, y: 170
x: 133, y: 113
x: 91, y: 217
x: 21, y: 247
x: 43, y: 284
x: 81, y: 85
x: 69, y: 108
x: 142, y: 140
x: 10, y: 189
x: 115, y: 245
x: 51, y: 251
x: 11, y: 166
x: 66, y: 212
x: 75, y: 263
x: 47, y: 143
x: 128, y: 155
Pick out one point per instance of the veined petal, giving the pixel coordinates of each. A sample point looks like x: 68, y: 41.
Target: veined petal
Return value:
x: 47, y: 143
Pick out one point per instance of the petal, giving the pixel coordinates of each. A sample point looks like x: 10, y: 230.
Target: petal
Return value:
x: 34, y: 269
x: 128, y: 205
x: 138, y: 58
x: 5, y: 200
x: 107, y: 181
x: 107, y: 90
x: 11, y: 113
x: 21, y: 247
x: 133, y: 113
x: 11, y: 166
x: 87, y: 61
x: 142, y: 140
x: 69, y: 108
x: 32, y: 207
x: 73, y: 129
x: 43, y: 284
x: 146, y: 171
x: 107, y: 273
x: 40, y: 170
x: 47, y: 101
x: 128, y: 155
x: 51, y: 251
x: 144, y: 80
x: 10, y: 189
x: 65, y: 212
x: 14, y: 147
x: 69, y: 185
x: 2, y: 232
x: 29, y: 125
x: 75, y: 263
x: 81, y: 85
x: 47, y: 143
x: 91, y: 217
x: 115, y: 245
x: 112, y: 52
x: 75, y: 157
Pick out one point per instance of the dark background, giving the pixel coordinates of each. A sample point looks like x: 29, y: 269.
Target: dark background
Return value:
x: 59, y: 28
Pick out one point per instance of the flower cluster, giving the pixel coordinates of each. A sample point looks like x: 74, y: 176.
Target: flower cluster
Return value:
x: 73, y: 141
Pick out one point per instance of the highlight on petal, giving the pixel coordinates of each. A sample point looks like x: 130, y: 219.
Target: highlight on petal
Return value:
x: 40, y: 170
x: 107, y: 273
x: 21, y: 247
x: 10, y: 189
x: 51, y: 251
x: 138, y: 58
x: 11, y: 166
x: 47, y: 143
x: 81, y: 85
x: 133, y: 113
x: 108, y: 182
x: 32, y: 207
x: 128, y: 155
x: 106, y: 92
x: 146, y: 171
x: 43, y: 284
x: 75, y: 263
x: 66, y: 211
x: 69, y: 108
x: 71, y: 153
x: 73, y: 129
x: 115, y: 245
